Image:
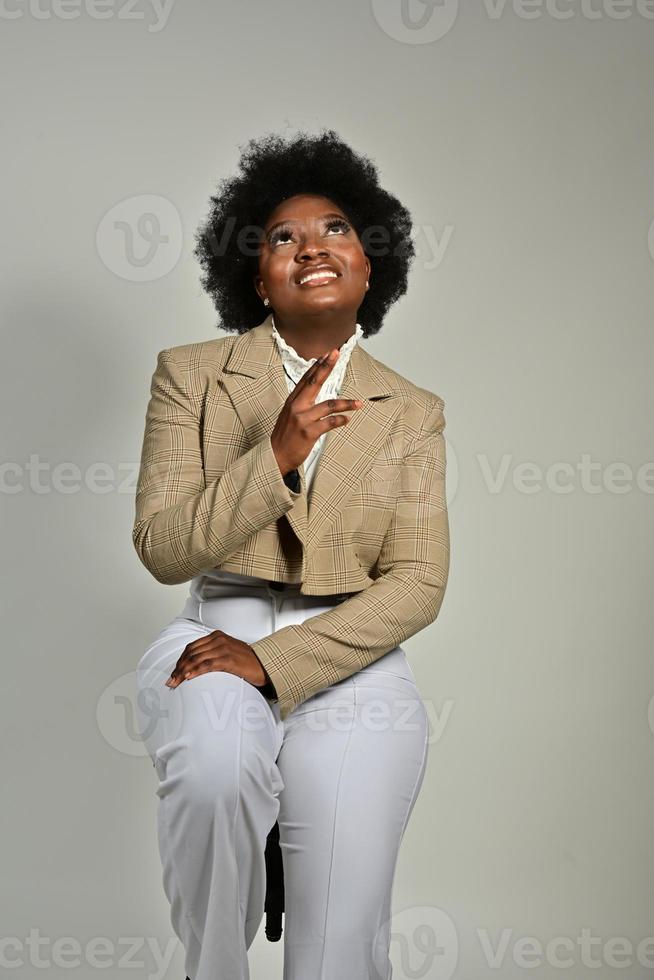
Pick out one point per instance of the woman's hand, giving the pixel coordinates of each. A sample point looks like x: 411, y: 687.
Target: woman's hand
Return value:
x: 301, y: 422
x: 218, y: 651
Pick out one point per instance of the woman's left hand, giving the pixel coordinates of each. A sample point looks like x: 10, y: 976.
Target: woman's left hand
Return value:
x: 218, y: 651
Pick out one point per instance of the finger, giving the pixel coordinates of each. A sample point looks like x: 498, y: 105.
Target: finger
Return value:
x: 206, y: 667
x: 322, y: 409
x: 306, y: 379
x: 197, y: 646
x: 202, y: 666
x: 322, y: 367
x: 325, y: 424
x: 213, y: 646
x: 315, y: 375
x: 319, y: 362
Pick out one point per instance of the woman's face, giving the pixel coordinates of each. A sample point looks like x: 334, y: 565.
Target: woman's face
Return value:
x: 304, y: 232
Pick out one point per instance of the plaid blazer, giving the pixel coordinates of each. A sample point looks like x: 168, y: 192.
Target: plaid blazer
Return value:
x: 373, y: 527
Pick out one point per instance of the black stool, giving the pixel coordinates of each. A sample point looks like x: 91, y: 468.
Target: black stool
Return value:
x: 274, y: 902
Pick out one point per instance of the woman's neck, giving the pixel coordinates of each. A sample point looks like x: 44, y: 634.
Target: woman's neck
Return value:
x: 313, y: 341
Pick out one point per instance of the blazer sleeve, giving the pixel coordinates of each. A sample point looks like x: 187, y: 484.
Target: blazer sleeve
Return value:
x: 413, y: 566
x: 184, y: 525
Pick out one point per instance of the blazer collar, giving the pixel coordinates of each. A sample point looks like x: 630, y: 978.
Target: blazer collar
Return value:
x: 256, y: 384
x: 255, y: 353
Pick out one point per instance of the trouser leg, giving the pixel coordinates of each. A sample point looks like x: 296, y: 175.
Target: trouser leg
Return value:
x: 214, y: 741
x: 351, y: 777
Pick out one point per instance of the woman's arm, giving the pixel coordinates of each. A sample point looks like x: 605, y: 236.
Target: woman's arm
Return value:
x: 413, y: 566
x: 182, y: 526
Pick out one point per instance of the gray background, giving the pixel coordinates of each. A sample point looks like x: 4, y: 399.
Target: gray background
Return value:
x: 521, y: 140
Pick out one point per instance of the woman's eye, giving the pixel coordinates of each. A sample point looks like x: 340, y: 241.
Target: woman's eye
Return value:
x: 338, y: 223
x: 282, y: 235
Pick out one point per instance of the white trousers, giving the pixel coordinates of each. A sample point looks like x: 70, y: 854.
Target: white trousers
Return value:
x: 340, y: 774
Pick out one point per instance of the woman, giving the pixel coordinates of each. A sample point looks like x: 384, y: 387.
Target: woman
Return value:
x: 280, y: 698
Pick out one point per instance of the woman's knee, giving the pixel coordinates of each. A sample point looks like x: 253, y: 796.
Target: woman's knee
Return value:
x: 230, y: 742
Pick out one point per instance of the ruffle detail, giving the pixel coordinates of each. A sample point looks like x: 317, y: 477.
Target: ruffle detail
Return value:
x: 297, y: 365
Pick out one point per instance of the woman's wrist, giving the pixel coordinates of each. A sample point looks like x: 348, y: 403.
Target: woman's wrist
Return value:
x: 267, y: 681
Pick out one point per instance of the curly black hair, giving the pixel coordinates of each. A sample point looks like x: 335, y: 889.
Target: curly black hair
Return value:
x: 273, y: 169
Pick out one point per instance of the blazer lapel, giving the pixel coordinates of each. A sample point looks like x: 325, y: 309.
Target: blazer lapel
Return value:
x: 256, y: 384
x: 349, y: 451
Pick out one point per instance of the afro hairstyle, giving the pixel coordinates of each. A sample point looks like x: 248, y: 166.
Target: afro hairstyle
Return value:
x: 272, y: 169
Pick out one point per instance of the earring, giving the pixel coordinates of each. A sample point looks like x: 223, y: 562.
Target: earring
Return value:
x: 266, y: 302
x: 367, y: 284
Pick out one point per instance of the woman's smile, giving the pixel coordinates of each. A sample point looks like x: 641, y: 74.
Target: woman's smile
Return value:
x: 318, y: 278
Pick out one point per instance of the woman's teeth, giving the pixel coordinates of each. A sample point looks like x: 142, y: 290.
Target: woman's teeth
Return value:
x: 317, y: 276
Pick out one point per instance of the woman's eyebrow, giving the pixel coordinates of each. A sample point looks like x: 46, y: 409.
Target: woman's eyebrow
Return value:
x: 289, y: 221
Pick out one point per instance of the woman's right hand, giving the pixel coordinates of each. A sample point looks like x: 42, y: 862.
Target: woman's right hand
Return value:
x: 301, y: 422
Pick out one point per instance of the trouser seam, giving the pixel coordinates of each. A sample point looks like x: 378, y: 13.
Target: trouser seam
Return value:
x: 331, y: 860
x: 237, y: 807
x: 412, y: 801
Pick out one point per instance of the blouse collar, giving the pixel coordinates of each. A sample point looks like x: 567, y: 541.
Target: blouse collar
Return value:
x: 297, y: 365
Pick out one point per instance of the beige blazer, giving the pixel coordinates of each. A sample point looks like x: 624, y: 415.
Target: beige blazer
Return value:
x: 210, y: 494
